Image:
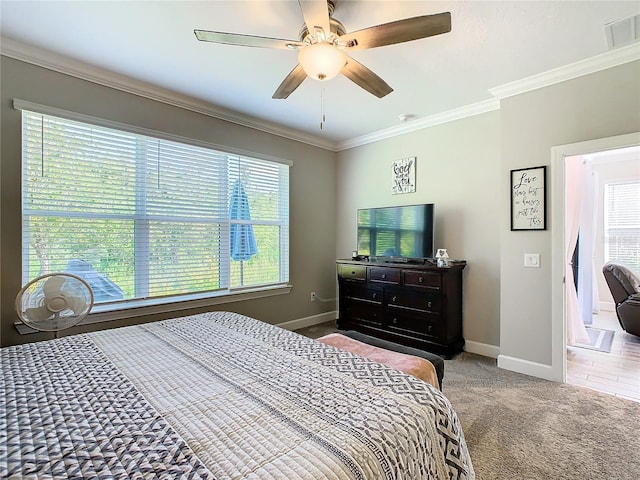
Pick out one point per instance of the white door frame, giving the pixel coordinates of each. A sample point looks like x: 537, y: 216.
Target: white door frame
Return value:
x: 558, y: 306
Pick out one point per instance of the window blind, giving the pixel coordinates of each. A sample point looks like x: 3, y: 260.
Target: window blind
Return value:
x: 622, y: 223
x: 141, y: 217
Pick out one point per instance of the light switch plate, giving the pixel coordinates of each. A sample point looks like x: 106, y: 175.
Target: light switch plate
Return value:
x: 532, y: 260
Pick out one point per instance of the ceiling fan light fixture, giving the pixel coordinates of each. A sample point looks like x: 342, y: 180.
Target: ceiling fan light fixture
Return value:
x: 322, y: 61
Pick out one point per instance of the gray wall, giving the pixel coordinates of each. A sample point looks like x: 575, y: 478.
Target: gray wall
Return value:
x: 458, y: 170
x: 312, y: 187
x: 603, y: 104
x: 463, y: 167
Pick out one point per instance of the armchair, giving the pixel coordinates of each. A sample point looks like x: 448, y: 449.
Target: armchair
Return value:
x: 624, y: 285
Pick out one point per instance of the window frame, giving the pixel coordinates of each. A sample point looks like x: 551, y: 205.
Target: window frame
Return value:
x: 110, y: 311
x: 607, y: 191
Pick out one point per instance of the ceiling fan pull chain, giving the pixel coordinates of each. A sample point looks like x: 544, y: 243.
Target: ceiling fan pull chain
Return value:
x: 322, y: 116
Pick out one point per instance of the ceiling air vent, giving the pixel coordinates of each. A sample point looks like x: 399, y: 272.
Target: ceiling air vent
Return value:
x: 622, y: 32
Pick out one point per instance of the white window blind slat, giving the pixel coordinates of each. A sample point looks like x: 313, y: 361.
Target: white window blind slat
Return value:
x: 149, y: 217
x: 622, y: 223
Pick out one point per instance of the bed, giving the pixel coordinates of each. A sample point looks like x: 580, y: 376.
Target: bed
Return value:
x: 219, y: 396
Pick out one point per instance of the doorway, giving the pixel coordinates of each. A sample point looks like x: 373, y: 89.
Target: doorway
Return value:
x: 559, y: 263
x: 600, y: 355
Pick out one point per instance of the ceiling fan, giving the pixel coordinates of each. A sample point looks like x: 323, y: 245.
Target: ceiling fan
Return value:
x: 324, y: 45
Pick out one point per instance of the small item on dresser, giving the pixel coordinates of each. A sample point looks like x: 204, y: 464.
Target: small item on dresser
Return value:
x: 354, y: 255
x: 443, y: 257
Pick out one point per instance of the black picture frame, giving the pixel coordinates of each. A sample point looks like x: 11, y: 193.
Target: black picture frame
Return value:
x: 528, y: 198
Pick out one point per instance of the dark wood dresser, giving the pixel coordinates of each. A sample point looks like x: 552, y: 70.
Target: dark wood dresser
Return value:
x: 411, y: 304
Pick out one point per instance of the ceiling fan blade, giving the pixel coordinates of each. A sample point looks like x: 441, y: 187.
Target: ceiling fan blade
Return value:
x: 246, y: 40
x: 398, y: 32
x: 290, y: 83
x: 316, y: 15
x: 362, y: 76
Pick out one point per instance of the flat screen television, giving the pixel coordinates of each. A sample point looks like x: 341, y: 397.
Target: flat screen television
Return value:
x: 404, y: 232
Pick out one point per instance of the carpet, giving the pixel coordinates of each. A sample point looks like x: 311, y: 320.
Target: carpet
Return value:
x: 599, y: 340
x: 525, y: 428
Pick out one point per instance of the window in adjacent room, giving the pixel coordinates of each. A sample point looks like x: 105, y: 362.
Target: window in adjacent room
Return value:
x: 622, y: 223
x: 144, y: 218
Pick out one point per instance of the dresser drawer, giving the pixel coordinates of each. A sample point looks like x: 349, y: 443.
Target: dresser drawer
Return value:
x: 414, y: 278
x: 362, y: 292
x: 416, y: 324
x: 386, y: 275
x: 352, y: 272
x: 363, y: 313
x: 414, y: 300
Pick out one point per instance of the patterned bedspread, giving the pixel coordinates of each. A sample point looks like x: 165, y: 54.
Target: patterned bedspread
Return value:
x: 218, y: 396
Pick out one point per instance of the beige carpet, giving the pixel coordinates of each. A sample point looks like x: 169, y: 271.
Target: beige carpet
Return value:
x: 519, y: 427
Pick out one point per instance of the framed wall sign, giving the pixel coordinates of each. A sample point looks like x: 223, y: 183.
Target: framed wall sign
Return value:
x: 528, y: 199
x: 403, y: 176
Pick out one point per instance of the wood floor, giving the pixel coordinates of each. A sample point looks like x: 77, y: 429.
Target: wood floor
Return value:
x: 618, y: 372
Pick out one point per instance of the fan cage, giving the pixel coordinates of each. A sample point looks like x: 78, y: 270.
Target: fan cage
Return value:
x: 27, y: 289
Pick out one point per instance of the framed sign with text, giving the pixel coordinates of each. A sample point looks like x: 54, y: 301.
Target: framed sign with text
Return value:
x: 403, y: 176
x: 528, y: 199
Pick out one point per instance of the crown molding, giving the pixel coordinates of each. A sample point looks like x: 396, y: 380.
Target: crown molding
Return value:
x: 68, y: 66
x: 612, y: 58
x: 419, y: 124
x: 62, y: 64
x: 594, y: 64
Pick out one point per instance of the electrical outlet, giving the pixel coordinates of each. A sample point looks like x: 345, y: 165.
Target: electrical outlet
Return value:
x: 313, y: 296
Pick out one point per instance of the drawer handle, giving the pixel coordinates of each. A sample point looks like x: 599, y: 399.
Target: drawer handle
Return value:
x: 375, y: 295
x: 394, y: 299
x: 353, y: 273
x: 420, y: 280
x: 429, y: 328
x: 395, y: 321
x: 384, y: 275
x: 429, y: 304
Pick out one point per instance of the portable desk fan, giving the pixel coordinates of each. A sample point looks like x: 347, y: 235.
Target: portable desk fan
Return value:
x: 54, y: 302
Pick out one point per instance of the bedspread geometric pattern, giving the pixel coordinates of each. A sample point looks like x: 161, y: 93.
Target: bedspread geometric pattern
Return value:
x: 71, y: 414
x: 220, y: 395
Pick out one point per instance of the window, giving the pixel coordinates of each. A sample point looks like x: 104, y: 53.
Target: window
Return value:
x: 140, y: 217
x: 622, y: 223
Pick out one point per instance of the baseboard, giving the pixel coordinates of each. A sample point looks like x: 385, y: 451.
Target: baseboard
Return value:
x: 527, y: 367
x: 608, y: 306
x: 483, y: 349
x: 309, y: 321
x: 478, y: 348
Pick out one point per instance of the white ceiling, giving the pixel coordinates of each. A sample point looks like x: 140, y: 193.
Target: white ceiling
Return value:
x: 491, y: 44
